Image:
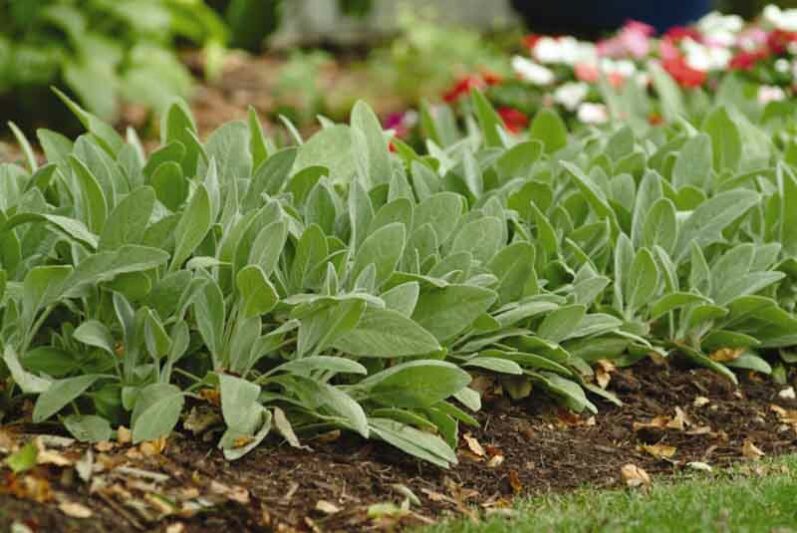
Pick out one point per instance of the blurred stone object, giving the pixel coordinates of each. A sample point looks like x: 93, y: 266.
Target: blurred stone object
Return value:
x: 320, y: 21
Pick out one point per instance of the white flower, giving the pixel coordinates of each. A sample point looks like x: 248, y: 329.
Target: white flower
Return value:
x: 570, y: 95
x: 782, y: 19
x: 782, y: 65
x: 770, y: 93
x: 720, y: 29
x: 564, y: 50
x: 623, y: 67
x: 705, y: 58
x: 590, y: 113
x: 532, y: 72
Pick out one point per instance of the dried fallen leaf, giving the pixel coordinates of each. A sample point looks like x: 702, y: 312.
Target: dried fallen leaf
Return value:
x: 603, y: 371
x: 130, y: 471
x: 495, y: 461
x: 514, y: 481
x: 659, y: 451
x: 124, y: 435
x: 104, y: 446
x: 7, y: 441
x: 437, y: 496
x: 679, y: 421
x: 568, y: 418
x: 74, y: 509
x: 751, y: 451
x: 235, y: 493
x: 699, y: 430
x: 212, y: 396
x: 787, y: 394
x: 177, y: 527
x: 329, y: 436
x: 698, y: 465
x: 326, y: 507
x: 161, y: 504
x: 473, y: 445
x: 657, y: 422
x: 28, y: 487
x: 50, y: 457
x: 153, y: 447
x: 725, y: 355
x: 85, y: 466
x: 635, y: 476
x: 787, y: 416
x: 55, y: 441
x: 700, y: 401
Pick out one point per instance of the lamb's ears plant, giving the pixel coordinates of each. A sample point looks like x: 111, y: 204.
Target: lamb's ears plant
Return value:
x: 334, y: 284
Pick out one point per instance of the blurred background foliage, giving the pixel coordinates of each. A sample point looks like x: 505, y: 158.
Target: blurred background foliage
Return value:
x: 105, y: 52
x: 750, y: 8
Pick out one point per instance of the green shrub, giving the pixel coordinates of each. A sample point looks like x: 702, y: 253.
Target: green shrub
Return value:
x: 103, y: 50
x: 337, y: 284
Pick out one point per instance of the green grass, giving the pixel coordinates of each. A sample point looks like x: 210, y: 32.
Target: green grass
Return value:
x: 753, y: 497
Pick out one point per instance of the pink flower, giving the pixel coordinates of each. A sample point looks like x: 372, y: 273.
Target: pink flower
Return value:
x: 640, y: 27
x: 752, y: 38
x: 586, y: 72
x: 633, y: 40
x: 668, y: 50
x: 398, y: 123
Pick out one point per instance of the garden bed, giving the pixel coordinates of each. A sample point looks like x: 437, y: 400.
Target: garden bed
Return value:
x: 530, y: 447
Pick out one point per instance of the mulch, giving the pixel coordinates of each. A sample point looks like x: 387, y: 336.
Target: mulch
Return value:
x: 344, y: 483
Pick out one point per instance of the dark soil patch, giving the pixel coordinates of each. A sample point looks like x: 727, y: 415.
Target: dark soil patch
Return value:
x: 543, y: 449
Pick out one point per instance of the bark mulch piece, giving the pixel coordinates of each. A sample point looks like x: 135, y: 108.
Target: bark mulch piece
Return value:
x: 523, y: 448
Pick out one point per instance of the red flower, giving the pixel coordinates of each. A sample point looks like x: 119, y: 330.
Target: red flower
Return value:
x: 676, y: 34
x: 462, y: 87
x: 779, y: 40
x: 654, y: 119
x: 530, y: 40
x: 747, y: 60
x: 685, y: 75
x: 514, y: 119
x: 491, y: 78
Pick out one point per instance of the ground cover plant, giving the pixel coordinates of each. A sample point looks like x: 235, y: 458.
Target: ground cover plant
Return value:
x: 335, y: 283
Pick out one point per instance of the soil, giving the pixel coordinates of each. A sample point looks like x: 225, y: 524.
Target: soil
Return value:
x: 522, y: 448
x: 258, y: 81
x: 246, y: 80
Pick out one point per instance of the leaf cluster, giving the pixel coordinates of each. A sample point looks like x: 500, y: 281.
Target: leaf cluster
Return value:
x: 337, y: 283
